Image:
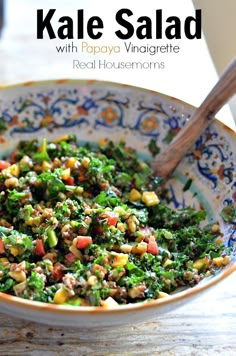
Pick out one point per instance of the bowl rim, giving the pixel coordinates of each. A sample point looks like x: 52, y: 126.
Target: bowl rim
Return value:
x: 11, y: 300
x: 61, y: 81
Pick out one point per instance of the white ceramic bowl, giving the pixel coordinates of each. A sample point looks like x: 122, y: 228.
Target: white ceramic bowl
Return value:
x: 94, y: 110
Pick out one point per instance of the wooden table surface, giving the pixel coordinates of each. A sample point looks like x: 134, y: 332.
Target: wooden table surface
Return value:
x: 206, y: 326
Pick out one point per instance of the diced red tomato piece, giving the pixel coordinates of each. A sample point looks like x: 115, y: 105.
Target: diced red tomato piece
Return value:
x: 152, y: 246
x: 111, y: 218
x: 104, y: 186
x: 82, y: 174
x: 83, y: 241
x: 70, y: 181
x: 2, y: 249
x: 57, y: 272
x: 70, y: 258
x: 13, y: 157
x: 4, y: 164
x: 39, y: 248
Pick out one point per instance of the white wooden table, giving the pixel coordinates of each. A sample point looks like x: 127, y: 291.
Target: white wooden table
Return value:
x: 208, y: 325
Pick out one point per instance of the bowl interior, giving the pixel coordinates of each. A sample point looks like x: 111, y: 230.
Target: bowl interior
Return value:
x: 96, y: 110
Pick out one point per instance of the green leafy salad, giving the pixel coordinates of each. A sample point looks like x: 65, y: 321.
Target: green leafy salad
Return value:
x: 85, y: 226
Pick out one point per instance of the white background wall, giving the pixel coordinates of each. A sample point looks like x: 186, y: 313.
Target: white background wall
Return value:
x: 219, y: 26
x: 188, y: 75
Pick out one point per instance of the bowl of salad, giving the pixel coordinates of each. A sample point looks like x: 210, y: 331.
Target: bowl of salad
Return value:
x: 88, y: 236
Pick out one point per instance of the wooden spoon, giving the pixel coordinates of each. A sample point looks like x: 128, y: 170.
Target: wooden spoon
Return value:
x: 166, y: 162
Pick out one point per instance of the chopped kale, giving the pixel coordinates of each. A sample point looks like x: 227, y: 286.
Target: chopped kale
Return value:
x: 153, y: 148
x: 80, y: 226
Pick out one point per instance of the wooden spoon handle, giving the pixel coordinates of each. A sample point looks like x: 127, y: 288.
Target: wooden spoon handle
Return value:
x: 166, y: 162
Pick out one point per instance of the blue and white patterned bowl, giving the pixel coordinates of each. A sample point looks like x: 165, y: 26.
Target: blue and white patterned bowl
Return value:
x: 93, y: 110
